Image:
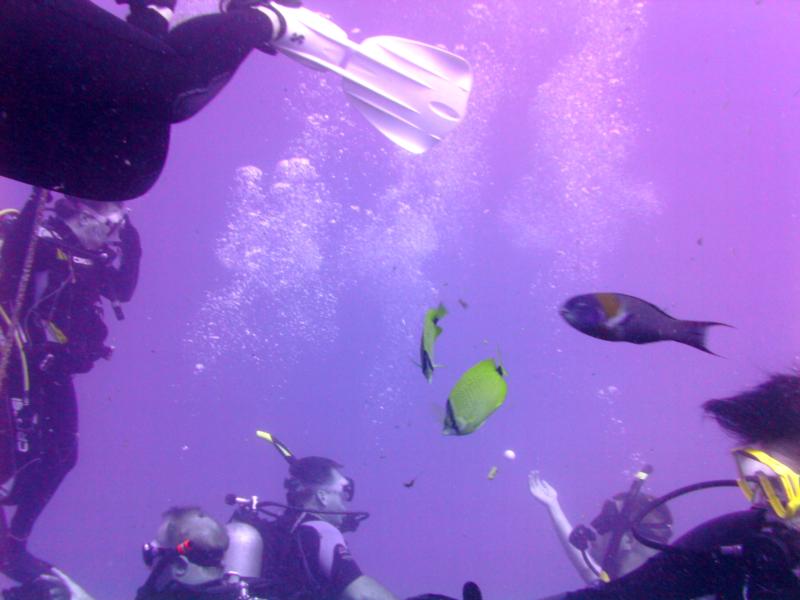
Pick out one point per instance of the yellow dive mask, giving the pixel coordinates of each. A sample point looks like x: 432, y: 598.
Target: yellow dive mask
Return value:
x: 779, y: 484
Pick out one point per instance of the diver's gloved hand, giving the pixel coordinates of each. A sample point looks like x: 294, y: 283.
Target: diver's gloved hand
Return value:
x: 470, y: 591
x: 15, y: 560
x: 47, y: 586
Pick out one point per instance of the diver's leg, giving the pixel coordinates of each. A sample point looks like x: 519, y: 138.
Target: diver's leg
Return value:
x: 73, y: 51
x: 36, y: 484
x: 152, y: 16
x: 211, y: 48
x: 80, y: 97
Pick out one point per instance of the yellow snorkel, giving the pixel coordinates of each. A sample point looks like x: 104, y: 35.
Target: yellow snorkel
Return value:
x: 279, y: 446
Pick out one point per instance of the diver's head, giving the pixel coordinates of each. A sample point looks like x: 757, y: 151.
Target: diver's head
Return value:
x: 188, y: 548
x: 765, y: 421
x: 657, y: 526
x: 94, y: 223
x: 316, y: 484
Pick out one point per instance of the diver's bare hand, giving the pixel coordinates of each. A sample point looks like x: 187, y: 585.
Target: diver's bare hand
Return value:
x: 541, y: 490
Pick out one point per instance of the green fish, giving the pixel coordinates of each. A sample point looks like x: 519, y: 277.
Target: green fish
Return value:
x: 477, y: 394
x: 430, y: 331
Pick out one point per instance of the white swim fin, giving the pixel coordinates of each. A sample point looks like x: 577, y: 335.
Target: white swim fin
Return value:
x: 413, y: 93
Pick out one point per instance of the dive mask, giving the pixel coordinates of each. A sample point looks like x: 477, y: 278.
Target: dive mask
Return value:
x: 93, y: 219
x: 153, y: 552
x: 349, y: 489
x: 779, y: 484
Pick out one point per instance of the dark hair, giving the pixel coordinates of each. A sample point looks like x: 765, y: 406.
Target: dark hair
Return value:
x: 765, y: 414
x: 306, y: 476
x: 191, y: 523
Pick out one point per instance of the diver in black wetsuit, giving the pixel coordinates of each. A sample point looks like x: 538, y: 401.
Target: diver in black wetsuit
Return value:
x: 302, y: 554
x: 84, y: 251
x: 186, y: 561
x: 296, y: 551
x: 754, y: 554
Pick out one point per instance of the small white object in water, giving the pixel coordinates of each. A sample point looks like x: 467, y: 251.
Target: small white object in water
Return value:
x: 510, y: 454
x: 199, y: 368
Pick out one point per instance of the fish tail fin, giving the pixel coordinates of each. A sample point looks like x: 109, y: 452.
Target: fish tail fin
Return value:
x: 694, y: 334
x: 501, y: 369
x: 439, y: 313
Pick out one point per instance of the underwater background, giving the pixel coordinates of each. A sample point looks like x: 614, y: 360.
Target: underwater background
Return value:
x: 290, y: 252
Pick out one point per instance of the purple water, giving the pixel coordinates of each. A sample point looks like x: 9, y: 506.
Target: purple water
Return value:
x: 648, y: 148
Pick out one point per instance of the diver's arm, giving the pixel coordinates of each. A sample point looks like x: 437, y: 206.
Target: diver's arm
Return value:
x: 563, y: 528
x: 366, y: 588
x: 547, y: 495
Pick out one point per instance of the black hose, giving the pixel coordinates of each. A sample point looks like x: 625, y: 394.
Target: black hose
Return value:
x: 636, y: 522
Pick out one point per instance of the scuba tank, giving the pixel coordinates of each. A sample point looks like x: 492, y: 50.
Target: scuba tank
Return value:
x: 246, y: 547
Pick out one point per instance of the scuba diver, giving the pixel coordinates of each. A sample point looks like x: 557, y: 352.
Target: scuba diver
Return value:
x: 58, y: 260
x: 753, y: 554
x: 607, y: 549
x: 185, y: 560
x: 87, y: 100
x: 296, y: 551
x: 299, y: 551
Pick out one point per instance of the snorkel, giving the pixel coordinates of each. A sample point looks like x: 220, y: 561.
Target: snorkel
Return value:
x: 615, y: 522
x: 779, y: 487
x: 618, y: 524
x: 766, y: 546
x: 349, y: 520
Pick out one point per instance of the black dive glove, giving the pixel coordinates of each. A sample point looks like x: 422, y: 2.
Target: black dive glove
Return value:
x: 45, y: 587
x: 470, y: 591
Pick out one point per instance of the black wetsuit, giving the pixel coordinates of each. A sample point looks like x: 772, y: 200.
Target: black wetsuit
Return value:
x: 727, y: 572
x: 86, y: 99
x: 64, y: 334
x: 219, y: 589
x: 304, y: 557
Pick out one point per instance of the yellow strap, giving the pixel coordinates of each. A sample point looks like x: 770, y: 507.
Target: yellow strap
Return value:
x: 38, y: 197
x: 265, y: 435
x: 56, y: 332
x: 23, y: 358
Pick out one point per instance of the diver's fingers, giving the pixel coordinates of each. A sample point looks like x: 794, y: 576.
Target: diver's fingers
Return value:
x: 535, y: 482
x: 536, y: 477
x: 76, y: 591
